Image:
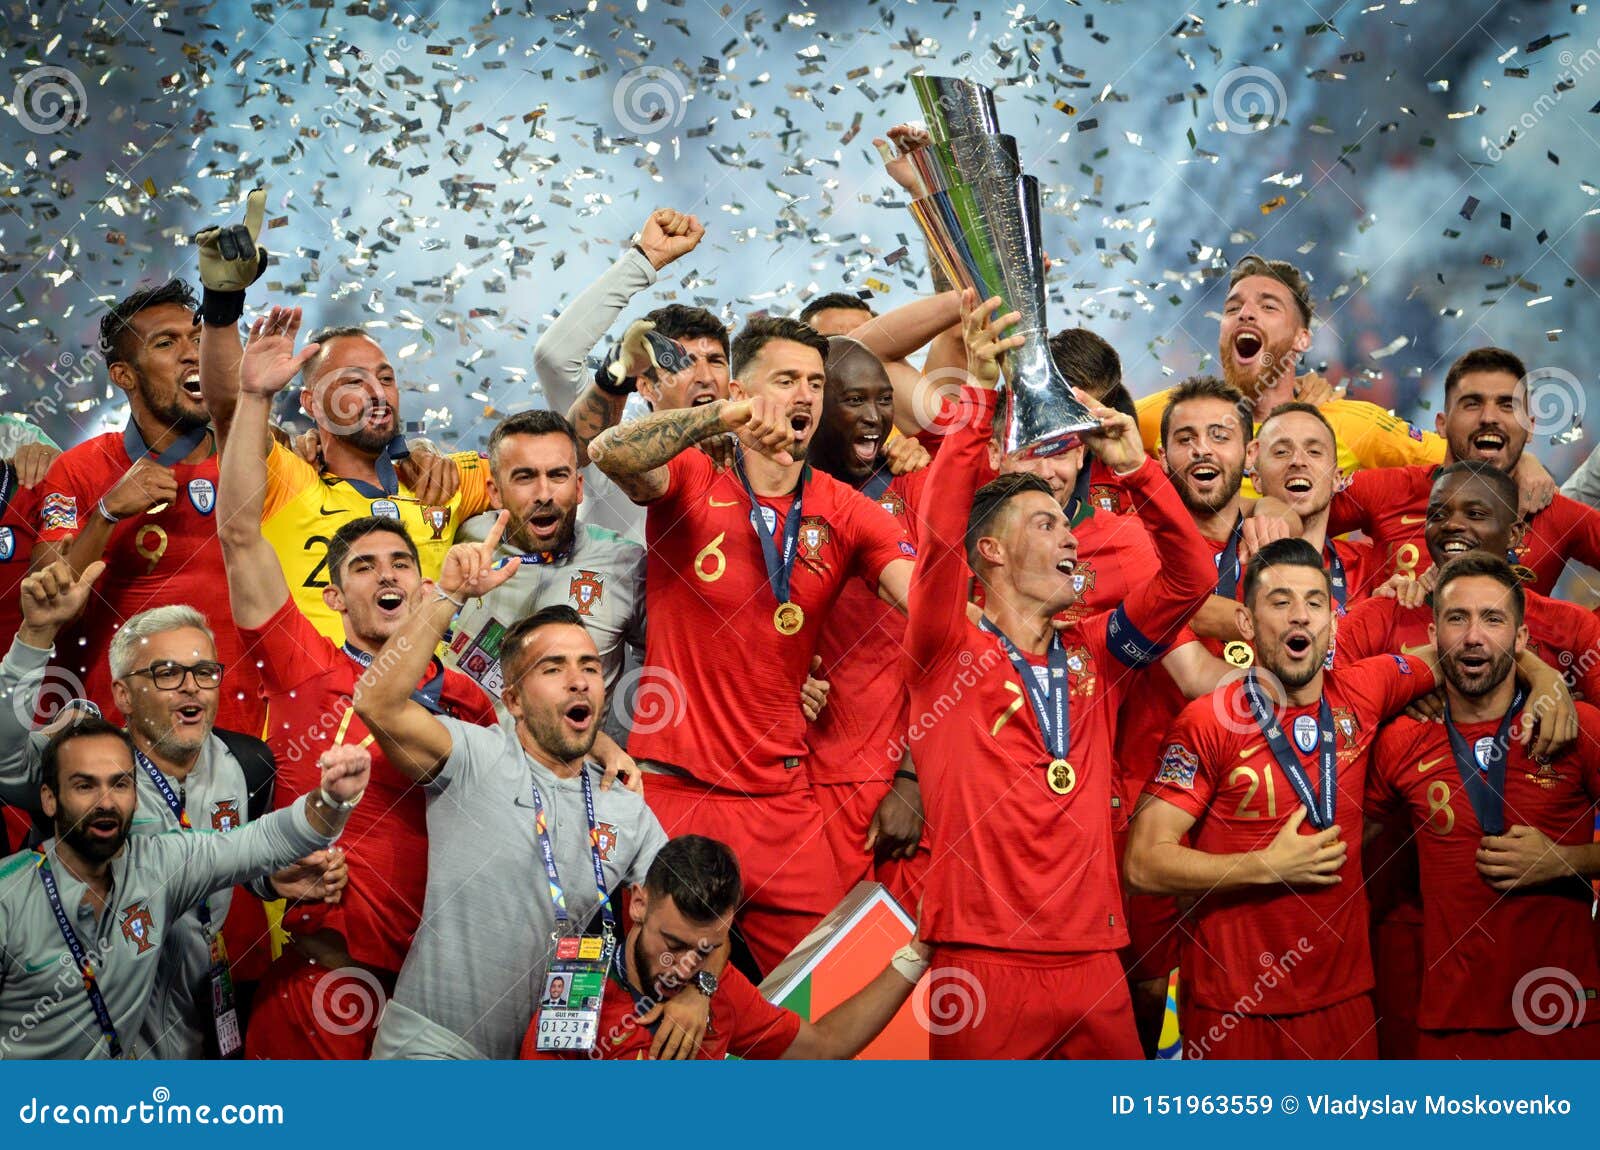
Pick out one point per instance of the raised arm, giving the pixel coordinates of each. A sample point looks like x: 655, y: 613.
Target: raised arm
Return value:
x: 256, y: 586
x: 230, y: 261
x: 636, y: 454
x: 910, y: 327
x: 416, y: 742
x: 845, y: 1030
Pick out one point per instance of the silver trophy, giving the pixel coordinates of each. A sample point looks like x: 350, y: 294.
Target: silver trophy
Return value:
x: 981, y: 219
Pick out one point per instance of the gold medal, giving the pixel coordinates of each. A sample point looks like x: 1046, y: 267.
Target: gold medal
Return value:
x: 1239, y: 654
x: 1524, y: 574
x: 788, y: 618
x: 1061, y: 777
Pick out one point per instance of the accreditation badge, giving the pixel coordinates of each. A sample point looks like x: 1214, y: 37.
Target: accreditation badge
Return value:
x: 224, y: 1010
x: 574, y: 988
x: 478, y: 657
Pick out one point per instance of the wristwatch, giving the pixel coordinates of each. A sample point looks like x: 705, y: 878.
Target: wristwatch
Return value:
x: 705, y: 982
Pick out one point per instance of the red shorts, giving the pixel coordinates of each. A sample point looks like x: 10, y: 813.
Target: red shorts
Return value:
x: 1516, y: 1043
x: 1344, y: 1030
x: 303, y: 1010
x: 790, y: 877
x: 1397, y: 971
x: 847, y: 810
x: 991, y: 1005
x: 1153, y: 937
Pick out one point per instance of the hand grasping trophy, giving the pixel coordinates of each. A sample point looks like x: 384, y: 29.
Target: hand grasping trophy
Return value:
x: 981, y: 220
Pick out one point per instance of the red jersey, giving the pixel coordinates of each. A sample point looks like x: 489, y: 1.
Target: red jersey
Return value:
x: 742, y: 1024
x: 1218, y: 768
x: 18, y: 529
x: 151, y: 561
x: 1015, y: 866
x: 860, y: 735
x: 1390, y: 504
x: 1115, y: 554
x: 737, y: 723
x: 1478, y: 944
x: 308, y: 685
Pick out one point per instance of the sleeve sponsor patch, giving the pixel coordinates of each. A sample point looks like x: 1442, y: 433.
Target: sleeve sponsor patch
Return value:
x: 1403, y: 663
x: 907, y: 550
x: 1416, y: 433
x: 1178, y: 766
x: 59, y: 512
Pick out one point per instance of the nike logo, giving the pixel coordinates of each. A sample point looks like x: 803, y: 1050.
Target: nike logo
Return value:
x: 1417, y: 650
x: 1413, y: 520
x: 36, y: 967
x: 336, y: 511
x: 719, y: 503
x: 1423, y: 768
x: 1248, y: 751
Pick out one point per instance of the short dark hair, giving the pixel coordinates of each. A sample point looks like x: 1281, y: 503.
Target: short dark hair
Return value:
x: 835, y: 299
x: 1483, y: 563
x: 1505, y: 487
x: 345, y: 538
x: 1087, y: 361
x: 1483, y: 359
x: 991, y: 499
x: 324, y: 336
x: 680, y: 321
x: 700, y: 874
x: 1119, y: 398
x: 116, y: 336
x: 87, y: 727
x: 1310, y: 409
x: 539, y: 421
x: 1208, y: 387
x: 1285, y: 273
x: 761, y: 330
x: 1281, y: 553
x: 517, y: 635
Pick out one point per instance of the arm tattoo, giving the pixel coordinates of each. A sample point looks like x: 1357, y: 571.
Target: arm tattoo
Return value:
x: 636, y: 448
x: 591, y: 413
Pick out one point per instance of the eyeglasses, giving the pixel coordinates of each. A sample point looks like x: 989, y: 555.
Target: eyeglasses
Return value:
x: 169, y: 676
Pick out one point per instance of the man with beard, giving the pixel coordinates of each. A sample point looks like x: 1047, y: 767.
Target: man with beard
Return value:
x: 1504, y: 837
x: 374, y: 571
x: 683, y: 911
x: 87, y: 918
x: 1261, y: 887
x: 745, y: 565
x: 1019, y: 782
x: 525, y: 842
x: 1485, y: 418
x: 534, y: 474
x: 144, y: 498
x: 860, y: 768
x: 167, y: 680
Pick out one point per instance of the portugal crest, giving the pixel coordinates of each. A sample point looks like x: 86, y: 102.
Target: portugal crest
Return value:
x: 605, y: 837
x: 891, y: 502
x: 814, y: 535
x: 1083, y: 578
x: 585, y: 590
x: 138, y: 927
x: 1104, y: 498
x: 1345, y: 722
x: 437, y: 519
x: 225, y: 815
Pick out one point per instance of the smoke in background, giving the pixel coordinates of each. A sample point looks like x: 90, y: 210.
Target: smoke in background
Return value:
x: 453, y: 175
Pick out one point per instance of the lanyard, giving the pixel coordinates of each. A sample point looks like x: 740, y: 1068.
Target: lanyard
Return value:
x: 1078, y: 506
x: 779, y: 569
x: 1319, y: 807
x: 1335, y: 565
x: 548, y: 853
x: 1051, y: 705
x: 1483, y: 767
x: 877, y: 483
x: 388, y: 481
x: 1228, y: 579
x: 429, y: 695
x: 179, y: 809
x: 91, y: 984
x: 178, y: 450
x: 543, y: 558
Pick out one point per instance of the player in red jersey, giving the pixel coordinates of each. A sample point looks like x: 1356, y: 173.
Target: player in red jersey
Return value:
x: 1018, y: 788
x: 859, y: 765
x: 1510, y: 965
x: 684, y: 911
x: 736, y: 602
x: 20, y: 493
x: 1485, y: 417
x: 144, y: 499
x: 1262, y: 888
x: 302, y: 1009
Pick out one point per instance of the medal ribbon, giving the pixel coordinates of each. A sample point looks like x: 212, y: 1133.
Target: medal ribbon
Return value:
x: 547, y: 852
x: 91, y: 984
x: 1319, y: 807
x: 388, y: 483
x: 1228, y: 562
x: 179, y: 808
x: 1051, y: 706
x: 178, y: 450
x: 877, y: 483
x: 1486, y: 783
x: 428, y: 694
x: 779, y: 569
x: 1335, y: 565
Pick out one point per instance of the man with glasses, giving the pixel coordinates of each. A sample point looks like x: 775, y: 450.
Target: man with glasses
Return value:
x: 167, y: 680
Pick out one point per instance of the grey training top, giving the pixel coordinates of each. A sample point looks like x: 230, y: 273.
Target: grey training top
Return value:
x: 603, y: 579
x: 1584, y: 483
x: 485, y: 939
x: 44, y: 1012
x: 215, y: 795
